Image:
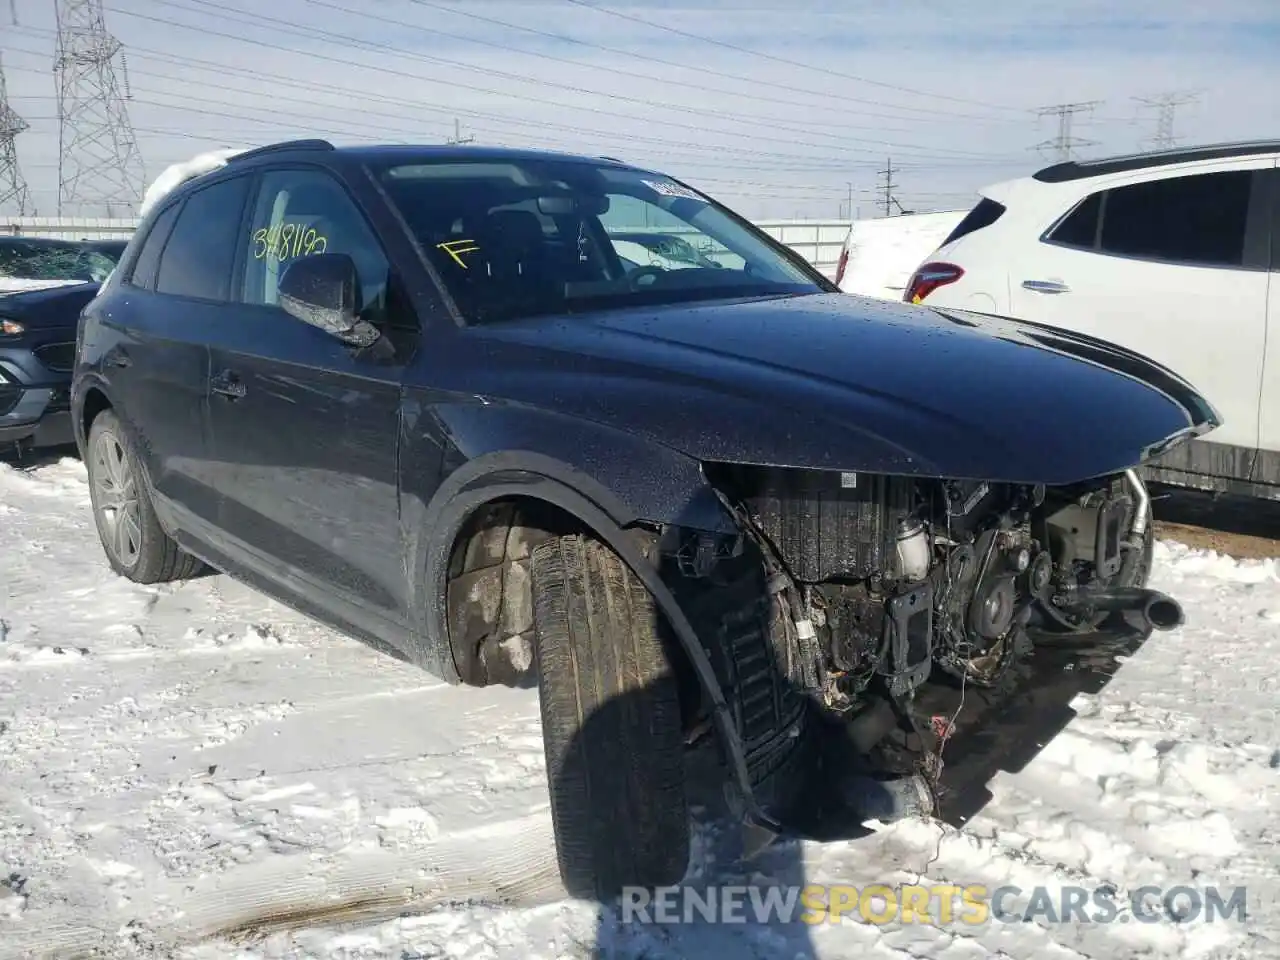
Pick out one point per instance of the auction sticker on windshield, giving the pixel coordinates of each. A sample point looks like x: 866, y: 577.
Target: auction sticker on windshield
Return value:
x: 669, y: 189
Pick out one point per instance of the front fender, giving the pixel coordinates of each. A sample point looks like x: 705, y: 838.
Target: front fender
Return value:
x: 629, y: 477
x: 606, y: 478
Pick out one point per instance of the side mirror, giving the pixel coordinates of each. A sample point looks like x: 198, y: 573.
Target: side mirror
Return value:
x: 323, y: 289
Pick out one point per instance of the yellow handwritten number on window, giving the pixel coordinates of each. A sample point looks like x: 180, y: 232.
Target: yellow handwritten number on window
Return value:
x: 286, y: 241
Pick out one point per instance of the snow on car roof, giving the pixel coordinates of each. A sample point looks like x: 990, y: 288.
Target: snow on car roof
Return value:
x: 176, y: 174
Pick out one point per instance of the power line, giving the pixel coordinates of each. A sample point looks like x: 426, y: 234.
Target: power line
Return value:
x: 1064, y: 143
x: 752, y: 93
x: 100, y: 164
x: 287, y: 27
x: 13, y: 189
x: 312, y: 88
x: 299, y: 120
x: 381, y: 132
x: 932, y: 95
x: 276, y: 81
x: 1165, y: 105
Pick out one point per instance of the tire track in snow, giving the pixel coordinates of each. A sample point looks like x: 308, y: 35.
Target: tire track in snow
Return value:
x: 512, y: 864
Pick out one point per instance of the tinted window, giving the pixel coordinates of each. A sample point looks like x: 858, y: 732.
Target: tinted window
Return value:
x: 1080, y: 227
x: 1196, y: 219
x: 198, y: 258
x: 984, y: 214
x: 148, y: 261
x: 303, y: 212
x: 519, y: 238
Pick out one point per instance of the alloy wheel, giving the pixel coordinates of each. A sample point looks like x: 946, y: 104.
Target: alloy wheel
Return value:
x: 116, y: 490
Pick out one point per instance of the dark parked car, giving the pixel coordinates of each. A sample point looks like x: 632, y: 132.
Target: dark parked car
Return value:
x: 38, y: 329
x: 37, y: 354
x: 412, y: 392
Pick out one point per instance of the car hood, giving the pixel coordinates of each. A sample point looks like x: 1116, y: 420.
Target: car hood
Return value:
x: 9, y: 285
x: 48, y: 307
x: 842, y: 382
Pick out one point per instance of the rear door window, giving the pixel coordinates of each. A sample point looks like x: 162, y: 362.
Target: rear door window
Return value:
x: 147, y: 263
x: 198, y: 258
x: 1079, y: 228
x: 1198, y: 219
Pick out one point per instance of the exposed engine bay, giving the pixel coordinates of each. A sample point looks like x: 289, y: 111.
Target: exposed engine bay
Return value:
x: 876, y: 584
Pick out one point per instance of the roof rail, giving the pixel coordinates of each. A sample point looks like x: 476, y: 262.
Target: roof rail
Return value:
x: 1080, y: 169
x: 314, y: 144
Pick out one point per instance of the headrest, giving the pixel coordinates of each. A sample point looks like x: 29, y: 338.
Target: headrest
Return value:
x: 515, y: 228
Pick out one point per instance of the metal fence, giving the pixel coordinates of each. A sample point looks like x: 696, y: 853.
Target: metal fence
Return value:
x: 68, y: 228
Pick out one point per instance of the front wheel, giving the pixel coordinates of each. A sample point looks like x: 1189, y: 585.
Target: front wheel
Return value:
x: 135, y: 544
x: 611, y: 722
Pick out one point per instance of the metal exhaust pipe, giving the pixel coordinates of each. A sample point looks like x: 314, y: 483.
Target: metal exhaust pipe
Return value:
x: 1154, y: 609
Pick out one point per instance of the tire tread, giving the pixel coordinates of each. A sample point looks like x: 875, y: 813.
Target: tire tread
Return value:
x: 611, y: 722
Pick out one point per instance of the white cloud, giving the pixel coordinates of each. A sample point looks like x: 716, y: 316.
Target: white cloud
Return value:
x: 779, y: 140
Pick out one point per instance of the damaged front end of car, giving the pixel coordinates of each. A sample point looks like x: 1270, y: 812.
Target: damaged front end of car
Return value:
x: 845, y: 593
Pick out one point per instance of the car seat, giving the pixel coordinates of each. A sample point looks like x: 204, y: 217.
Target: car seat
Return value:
x: 512, y: 273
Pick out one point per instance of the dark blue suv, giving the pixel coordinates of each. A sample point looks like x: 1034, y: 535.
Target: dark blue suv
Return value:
x: 415, y: 393
x: 37, y: 334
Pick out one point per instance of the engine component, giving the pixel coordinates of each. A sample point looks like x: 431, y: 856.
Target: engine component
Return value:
x: 827, y: 526
x: 908, y: 639
x: 913, y: 550
x: 1152, y: 609
x: 1110, y: 533
x: 981, y: 614
x: 1040, y: 574
x: 855, y: 624
x: 964, y: 495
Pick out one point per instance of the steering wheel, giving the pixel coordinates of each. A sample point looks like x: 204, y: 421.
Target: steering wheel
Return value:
x: 635, y: 281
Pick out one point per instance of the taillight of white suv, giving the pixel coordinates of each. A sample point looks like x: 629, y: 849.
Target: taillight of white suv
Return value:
x: 928, y: 278
x: 843, y: 264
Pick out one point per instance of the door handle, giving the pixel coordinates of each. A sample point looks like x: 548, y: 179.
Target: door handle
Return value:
x: 227, y: 384
x: 1045, y: 286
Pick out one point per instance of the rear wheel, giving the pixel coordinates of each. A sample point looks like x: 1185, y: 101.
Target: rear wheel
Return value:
x: 135, y: 544
x: 611, y: 722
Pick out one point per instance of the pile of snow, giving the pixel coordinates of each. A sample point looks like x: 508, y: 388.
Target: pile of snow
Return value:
x: 884, y: 252
x: 193, y: 771
x: 176, y: 174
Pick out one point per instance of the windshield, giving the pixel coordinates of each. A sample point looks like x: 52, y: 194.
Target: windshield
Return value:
x: 35, y: 259
x: 523, y: 238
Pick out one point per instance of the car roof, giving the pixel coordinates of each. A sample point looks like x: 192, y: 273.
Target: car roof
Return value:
x: 420, y: 152
x: 183, y: 180
x: 1083, y: 169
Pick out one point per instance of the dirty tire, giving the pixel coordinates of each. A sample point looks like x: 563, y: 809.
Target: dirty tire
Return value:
x: 151, y: 555
x: 610, y: 722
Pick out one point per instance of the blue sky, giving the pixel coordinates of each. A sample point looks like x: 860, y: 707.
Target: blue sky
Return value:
x: 779, y: 108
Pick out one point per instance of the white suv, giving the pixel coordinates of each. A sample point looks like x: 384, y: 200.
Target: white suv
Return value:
x: 1175, y: 255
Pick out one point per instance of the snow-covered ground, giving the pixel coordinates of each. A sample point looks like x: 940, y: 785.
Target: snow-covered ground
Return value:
x: 196, y: 772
